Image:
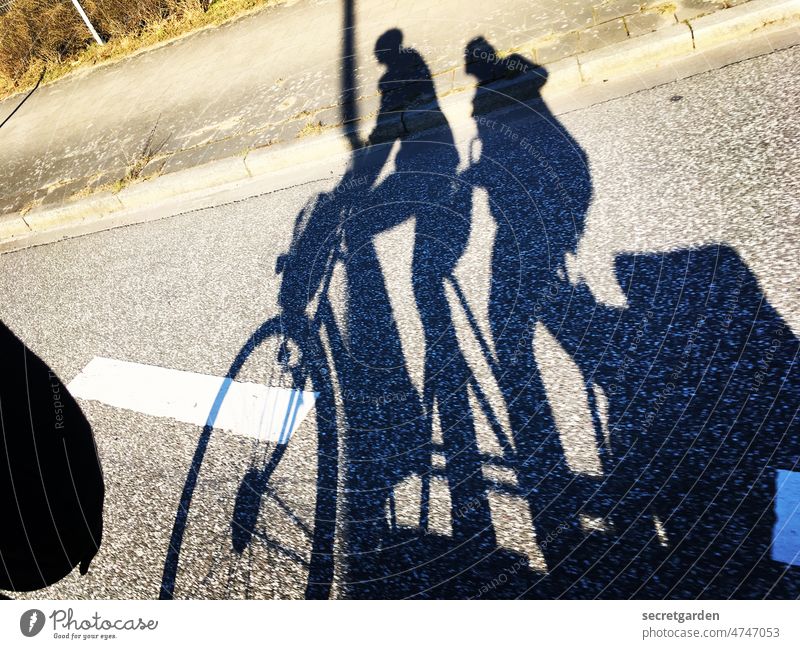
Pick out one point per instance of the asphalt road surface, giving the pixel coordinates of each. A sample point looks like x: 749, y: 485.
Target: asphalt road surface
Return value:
x: 539, y: 358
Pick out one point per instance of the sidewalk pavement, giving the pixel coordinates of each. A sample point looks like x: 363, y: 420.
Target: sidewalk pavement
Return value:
x: 245, y: 99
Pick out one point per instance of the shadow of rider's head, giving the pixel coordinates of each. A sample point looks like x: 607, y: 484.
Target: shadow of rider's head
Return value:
x: 388, y: 46
x: 484, y: 62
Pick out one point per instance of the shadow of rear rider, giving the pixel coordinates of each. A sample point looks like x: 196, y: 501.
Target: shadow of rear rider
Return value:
x: 539, y: 188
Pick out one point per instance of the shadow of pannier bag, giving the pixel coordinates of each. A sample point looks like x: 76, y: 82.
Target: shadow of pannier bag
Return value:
x: 51, y: 482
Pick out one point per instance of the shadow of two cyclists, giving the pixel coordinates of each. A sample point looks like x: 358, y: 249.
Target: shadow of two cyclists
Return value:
x: 685, y: 481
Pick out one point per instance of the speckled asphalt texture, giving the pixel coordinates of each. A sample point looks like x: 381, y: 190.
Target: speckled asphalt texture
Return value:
x: 554, y: 357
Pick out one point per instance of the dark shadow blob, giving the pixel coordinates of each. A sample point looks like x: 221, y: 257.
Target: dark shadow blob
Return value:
x: 700, y: 380
x: 702, y: 386
x: 51, y: 482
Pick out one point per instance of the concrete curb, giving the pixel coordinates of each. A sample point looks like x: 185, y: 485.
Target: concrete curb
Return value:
x: 11, y: 226
x: 653, y: 51
x: 269, y: 160
x: 742, y: 20
x: 221, y: 172
x: 695, y: 35
x: 91, y: 207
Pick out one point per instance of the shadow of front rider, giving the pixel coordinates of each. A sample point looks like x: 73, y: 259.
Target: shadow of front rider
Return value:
x: 424, y: 186
x: 383, y: 438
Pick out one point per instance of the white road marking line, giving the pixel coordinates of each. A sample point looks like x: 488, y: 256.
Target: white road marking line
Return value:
x: 263, y: 412
x: 786, y: 533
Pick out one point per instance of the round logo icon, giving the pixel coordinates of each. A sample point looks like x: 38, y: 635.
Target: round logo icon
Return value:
x: 31, y: 622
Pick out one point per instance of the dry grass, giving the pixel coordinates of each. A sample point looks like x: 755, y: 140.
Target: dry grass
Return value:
x: 311, y: 128
x: 39, y: 33
x: 136, y: 166
x: 663, y: 8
